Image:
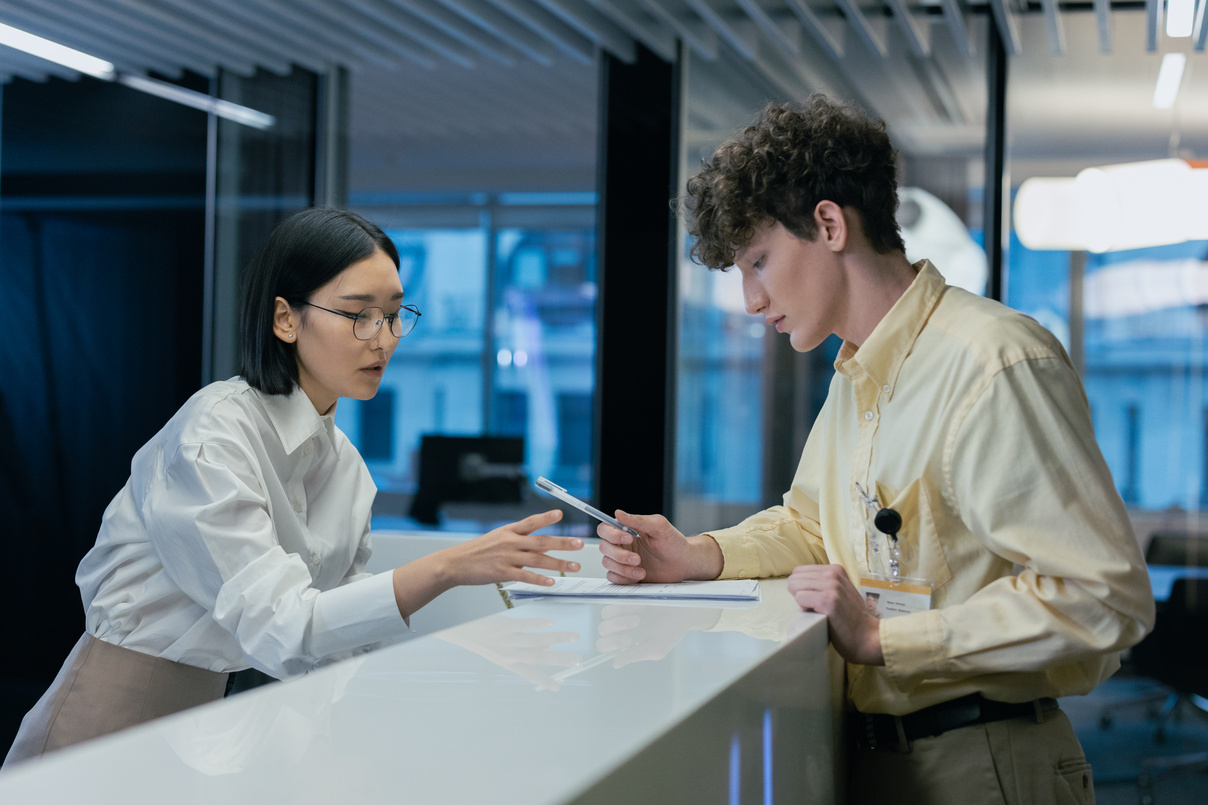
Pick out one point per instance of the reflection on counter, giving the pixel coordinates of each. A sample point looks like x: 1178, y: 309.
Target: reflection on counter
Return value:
x: 548, y: 702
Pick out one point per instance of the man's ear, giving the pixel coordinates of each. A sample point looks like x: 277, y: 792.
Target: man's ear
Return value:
x: 832, y: 225
x: 285, y: 321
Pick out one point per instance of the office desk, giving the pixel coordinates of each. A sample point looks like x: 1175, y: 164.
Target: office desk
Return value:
x: 527, y: 705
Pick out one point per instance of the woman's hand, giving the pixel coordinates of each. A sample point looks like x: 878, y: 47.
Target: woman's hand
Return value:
x: 503, y: 554
x: 497, y: 556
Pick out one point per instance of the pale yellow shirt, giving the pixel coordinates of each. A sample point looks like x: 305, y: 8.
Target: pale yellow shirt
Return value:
x: 968, y: 419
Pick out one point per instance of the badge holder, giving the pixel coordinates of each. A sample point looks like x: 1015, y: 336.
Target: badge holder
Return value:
x: 895, y: 594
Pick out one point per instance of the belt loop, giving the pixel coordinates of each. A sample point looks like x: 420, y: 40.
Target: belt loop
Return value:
x: 902, y: 741
x: 1039, y: 708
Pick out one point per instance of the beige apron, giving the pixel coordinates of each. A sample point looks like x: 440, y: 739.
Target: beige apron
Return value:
x: 103, y: 688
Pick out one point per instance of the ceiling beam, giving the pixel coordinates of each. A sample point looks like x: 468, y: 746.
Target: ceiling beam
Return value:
x: 739, y: 34
x: 874, y: 40
x: 1153, y: 24
x: 958, y: 26
x: 831, y: 39
x: 1053, y: 27
x: 1200, y: 31
x: 598, y: 28
x: 691, y: 30
x: 1103, y: 17
x: 918, y: 37
x: 549, y: 27
x: 786, y: 37
x: 636, y: 22
x: 1008, y: 26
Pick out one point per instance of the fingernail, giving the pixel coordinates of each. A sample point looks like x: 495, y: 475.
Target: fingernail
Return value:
x: 547, y: 581
x: 573, y: 566
x: 576, y: 543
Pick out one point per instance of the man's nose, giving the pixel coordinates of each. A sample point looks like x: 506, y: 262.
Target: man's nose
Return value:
x: 752, y: 296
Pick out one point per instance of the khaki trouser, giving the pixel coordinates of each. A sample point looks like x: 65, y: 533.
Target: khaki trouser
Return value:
x: 1012, y: 762
x: 103, y: 688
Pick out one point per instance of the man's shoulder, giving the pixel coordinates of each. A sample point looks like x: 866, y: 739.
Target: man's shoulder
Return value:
x: 990, y: 331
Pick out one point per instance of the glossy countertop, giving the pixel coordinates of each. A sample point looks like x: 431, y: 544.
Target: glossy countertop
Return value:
x: 549, y: 701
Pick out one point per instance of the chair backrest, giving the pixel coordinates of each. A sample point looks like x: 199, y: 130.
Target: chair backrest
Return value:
x: 1177, y: 548
x: 1176, y: 651
x: 482, y: 469
x: 1189, y: 598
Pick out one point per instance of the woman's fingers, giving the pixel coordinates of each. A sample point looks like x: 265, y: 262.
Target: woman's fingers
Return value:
x: 534, y: 521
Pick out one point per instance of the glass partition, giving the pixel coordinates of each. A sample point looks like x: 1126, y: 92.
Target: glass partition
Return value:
x: 496, y: 235
x: 1131, y: 317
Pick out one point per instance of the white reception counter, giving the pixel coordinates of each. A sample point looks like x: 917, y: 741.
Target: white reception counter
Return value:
x: 551, y: 701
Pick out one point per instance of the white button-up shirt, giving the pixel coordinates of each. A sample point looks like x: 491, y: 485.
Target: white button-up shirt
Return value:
x: 241, y: 540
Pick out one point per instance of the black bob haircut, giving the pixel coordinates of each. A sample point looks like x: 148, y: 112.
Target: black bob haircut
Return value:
x: 305, y: 252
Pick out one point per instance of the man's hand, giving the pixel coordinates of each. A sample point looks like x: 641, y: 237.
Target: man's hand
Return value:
x: 661, y: 555
x: 854, y: 631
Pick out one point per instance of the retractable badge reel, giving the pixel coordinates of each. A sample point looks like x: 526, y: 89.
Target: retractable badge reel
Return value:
x: 895, y: 594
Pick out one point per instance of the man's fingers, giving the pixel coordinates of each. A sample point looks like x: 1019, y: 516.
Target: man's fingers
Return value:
x: 617, y: 578
x: 613, y: 535
x: 629, y: 573
x: 622, y: 556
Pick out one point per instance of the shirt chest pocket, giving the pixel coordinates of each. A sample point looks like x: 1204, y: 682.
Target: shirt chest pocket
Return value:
x: 921, y: 552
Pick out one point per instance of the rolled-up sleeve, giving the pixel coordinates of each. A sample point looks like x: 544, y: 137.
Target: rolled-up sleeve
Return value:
x: 770, y: 543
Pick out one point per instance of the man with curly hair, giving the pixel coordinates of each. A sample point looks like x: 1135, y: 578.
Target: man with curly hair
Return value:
x: 952, y: 477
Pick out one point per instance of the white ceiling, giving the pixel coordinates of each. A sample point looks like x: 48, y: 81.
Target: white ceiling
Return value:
x: 441, y: 86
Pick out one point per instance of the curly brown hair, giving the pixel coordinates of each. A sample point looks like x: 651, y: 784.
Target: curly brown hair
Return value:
x: 778, y: 169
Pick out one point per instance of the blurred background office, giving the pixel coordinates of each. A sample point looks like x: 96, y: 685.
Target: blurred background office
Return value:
x: 521, y: 153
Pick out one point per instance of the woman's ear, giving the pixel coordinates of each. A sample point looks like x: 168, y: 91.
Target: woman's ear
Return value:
x: 285, y: 321
x: 832, y: 225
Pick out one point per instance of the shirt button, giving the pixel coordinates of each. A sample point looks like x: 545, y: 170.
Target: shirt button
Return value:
x: 297, y: 505
x: 307, y: 449
x: 314, y: 558
x: 868, y: 416
x: 885, y: 388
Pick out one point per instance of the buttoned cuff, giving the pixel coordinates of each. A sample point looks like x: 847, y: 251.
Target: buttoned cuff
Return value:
x: 913, y: 647
x: 740, y: 558
x: 357, y: 614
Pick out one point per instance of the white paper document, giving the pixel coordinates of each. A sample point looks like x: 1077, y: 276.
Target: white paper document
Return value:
x: 727, y: 590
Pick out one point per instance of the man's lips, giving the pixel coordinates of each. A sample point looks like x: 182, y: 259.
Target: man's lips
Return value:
x: 775, y: 322
x: 375, y: 368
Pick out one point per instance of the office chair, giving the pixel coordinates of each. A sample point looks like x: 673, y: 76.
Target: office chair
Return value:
x: 1175, y: 653
x: 1166, y: 550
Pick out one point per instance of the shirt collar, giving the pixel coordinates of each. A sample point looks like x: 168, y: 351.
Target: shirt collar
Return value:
x: 882, y: 354
x: 295, y: 419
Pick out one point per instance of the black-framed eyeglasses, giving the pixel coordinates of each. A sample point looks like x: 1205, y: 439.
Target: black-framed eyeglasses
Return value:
x: 367, y: 323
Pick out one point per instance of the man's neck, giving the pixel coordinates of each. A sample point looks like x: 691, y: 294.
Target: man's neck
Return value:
x: 876, y: 283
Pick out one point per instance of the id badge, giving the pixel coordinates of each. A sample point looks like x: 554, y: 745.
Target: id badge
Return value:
x: 888, y: 598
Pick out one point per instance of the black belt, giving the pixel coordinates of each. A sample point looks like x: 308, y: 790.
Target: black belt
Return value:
x: 881, y: 731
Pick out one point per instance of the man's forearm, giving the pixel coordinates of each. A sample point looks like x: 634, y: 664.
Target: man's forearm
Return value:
x: 706, y: 559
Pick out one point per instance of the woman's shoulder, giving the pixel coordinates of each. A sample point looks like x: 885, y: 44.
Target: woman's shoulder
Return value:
x: 219, y: 412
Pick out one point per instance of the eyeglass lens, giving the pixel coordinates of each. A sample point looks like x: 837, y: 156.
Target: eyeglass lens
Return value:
x: 367, y: 324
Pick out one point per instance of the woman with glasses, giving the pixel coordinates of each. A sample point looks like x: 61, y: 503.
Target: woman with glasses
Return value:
x: 241, y: 537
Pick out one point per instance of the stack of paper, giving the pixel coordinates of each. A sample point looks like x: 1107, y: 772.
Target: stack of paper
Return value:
x: 728, y: 590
